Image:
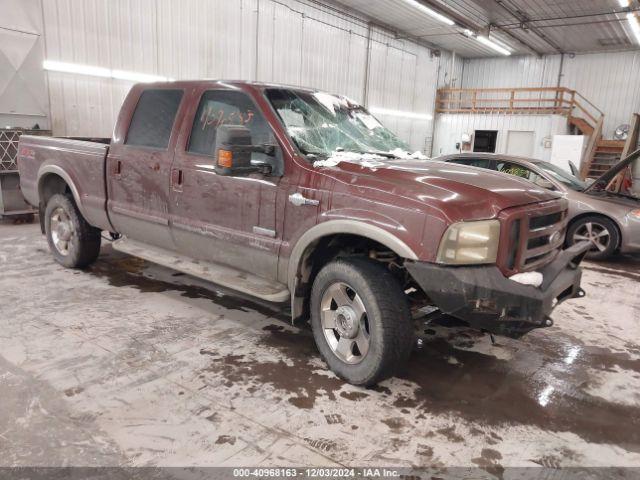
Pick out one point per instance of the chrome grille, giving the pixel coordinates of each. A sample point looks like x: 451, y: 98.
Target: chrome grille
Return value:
x: 533, y: 235
x: 544, y: 239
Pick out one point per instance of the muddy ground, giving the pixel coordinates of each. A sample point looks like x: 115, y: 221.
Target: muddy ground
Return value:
x: 131, y: 364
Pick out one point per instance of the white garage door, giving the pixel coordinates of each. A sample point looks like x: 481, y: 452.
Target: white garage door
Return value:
x: 520, y: 143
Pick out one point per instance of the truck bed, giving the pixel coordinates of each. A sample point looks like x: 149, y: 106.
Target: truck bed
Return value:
x: 80, y: 163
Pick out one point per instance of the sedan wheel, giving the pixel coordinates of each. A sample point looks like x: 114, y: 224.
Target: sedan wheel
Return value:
x: 598, y: 235
x: 601, y: 232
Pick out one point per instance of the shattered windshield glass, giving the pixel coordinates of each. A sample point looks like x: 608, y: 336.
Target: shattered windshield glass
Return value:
x: 322, y: 124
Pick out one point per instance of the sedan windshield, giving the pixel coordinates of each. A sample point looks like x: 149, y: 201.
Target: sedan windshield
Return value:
x: 562, y: 176
x: 321, y: 124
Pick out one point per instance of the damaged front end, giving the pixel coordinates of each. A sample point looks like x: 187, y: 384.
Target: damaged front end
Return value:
x: 485, y: 299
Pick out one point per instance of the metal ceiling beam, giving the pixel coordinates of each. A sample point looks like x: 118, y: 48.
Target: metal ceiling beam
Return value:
x: 338, y: 7
x: 572, y: 17
x: 465, y: 23
x: 524, y: 19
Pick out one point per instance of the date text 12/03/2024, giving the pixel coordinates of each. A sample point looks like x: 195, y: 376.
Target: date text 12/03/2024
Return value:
x: 316, y: 472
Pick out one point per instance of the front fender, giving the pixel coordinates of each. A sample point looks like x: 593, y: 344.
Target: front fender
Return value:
x: 334, y: 227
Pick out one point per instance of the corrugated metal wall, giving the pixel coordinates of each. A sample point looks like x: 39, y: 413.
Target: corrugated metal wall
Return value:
x: 512, y: 72
x: 608, y: 80
x: 288, y: 41
x: 451, y: 70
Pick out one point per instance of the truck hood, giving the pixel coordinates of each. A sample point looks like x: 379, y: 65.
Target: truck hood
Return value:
x: 474, y: 192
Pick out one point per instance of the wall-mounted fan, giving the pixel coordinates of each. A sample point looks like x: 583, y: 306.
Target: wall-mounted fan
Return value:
x: 622, y: 132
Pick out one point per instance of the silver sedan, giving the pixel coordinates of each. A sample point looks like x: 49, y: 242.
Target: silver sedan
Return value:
x: 610, y: 221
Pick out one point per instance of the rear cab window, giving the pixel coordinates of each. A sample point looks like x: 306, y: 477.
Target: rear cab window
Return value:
x: 153, y: 118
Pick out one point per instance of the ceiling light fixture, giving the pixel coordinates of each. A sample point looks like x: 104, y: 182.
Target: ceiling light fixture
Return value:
x: 493, y: 45
x: 635, y: 25
x: 93, y: 71
x: 401, y: 113
x: 423, y: 8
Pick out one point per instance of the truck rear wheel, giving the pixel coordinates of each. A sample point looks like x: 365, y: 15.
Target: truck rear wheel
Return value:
x: 361, y: 321
x: 72, y: 241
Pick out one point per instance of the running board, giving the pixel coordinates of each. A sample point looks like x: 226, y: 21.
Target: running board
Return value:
x: 221, y: 275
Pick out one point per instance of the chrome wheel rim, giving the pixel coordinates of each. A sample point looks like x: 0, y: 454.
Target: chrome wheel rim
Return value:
x: 63, y: 234
x: 596, y: 234
x: 344, y: 323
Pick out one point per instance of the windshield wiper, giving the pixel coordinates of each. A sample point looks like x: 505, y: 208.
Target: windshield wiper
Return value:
x: 381, y: 154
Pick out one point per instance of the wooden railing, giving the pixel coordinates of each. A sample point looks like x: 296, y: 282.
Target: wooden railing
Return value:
x: 517, y: 101
x: 529, y: 101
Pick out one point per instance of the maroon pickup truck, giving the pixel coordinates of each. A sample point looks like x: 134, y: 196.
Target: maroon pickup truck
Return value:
x: 297, y: 195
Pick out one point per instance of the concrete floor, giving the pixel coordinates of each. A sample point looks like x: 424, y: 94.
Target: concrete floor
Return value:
x: 132, y: 364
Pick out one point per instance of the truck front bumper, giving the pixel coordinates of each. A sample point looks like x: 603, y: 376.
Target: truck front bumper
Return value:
x: 484, y: 298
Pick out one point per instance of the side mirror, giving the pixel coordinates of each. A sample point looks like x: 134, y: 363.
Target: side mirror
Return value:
x: 233, y: 151
x: 544, y: 183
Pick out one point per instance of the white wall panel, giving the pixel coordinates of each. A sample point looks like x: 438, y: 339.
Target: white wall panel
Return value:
x: 283, y: 41
x: 512, y: 72
x: 450, y: 127
x: 609, y: 81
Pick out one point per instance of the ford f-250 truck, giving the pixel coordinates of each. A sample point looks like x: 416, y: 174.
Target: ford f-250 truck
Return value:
x: 297, y: 195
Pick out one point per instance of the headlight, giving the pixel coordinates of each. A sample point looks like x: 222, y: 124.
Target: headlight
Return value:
x: 635, y: 214
x: 468, y: 243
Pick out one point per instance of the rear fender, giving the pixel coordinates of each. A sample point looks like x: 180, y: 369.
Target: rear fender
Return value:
x: 46, y: 170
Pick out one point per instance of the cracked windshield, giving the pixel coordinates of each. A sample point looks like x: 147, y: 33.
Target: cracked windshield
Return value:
x: 325, y: 125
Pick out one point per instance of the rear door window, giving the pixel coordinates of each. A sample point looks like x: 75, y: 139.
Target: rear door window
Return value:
x: 153, y: 118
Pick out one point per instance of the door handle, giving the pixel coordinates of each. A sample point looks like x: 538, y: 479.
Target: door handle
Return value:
x: 117, y: 169
x: 176, y: 179
x: 298, y: 200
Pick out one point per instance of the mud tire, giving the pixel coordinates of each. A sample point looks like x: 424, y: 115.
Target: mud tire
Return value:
x: 390, y: 329
x: 84, y: 247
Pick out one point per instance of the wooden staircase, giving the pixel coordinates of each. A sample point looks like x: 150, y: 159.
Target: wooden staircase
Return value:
x: 580, y: 126
x: 602, y: 154
x: 606, y: 155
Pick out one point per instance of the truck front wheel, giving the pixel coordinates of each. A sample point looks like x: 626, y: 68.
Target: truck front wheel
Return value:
x: 72, y: 241
x: 361, y: 321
